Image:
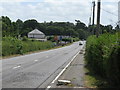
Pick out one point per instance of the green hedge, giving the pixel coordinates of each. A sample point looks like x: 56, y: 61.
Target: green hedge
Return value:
x: 11, y: 46
x: 102, y: 56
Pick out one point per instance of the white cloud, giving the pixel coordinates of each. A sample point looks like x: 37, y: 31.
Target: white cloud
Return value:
x: 17, y: 0
x: 54, y: 10
x: 52, y: 1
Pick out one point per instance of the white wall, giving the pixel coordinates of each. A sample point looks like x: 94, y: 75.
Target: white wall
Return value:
x: 36, y: 36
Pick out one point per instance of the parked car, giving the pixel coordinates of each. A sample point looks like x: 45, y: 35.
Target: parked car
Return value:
x: 80, y: 43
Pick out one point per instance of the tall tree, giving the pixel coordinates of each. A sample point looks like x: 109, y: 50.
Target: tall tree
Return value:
x: 19, y: 26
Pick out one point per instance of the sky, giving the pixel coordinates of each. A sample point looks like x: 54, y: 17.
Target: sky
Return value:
x: 59, y: 10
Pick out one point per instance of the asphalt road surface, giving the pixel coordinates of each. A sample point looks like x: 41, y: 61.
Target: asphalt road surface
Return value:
x: 36, y: 70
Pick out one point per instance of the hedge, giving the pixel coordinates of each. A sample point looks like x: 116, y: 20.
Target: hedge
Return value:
x: 102, y: 56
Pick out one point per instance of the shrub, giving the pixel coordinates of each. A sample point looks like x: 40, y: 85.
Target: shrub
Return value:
x: 12, y: 46
x: 102, y: 56
x: 25, y: 38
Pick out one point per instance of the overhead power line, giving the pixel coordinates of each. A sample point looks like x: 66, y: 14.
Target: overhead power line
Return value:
x: 109, y: 12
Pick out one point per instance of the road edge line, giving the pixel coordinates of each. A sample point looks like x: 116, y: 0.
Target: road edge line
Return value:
x: 64, y: 69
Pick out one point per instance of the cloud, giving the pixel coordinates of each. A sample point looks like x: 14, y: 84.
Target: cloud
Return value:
x: 54, y: 10
x: 17, y: 0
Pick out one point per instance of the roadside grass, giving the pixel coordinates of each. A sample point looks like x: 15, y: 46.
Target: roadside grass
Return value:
x: 15, y: 55
x: 92, y: 80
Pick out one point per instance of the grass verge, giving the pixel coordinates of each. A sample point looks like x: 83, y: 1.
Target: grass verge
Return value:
x: 15, y: 55
x: 92, y: 80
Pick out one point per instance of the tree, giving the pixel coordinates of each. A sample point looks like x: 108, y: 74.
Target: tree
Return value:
x: 80, y: 25
x: 19, y: 26
x: 30, y: 24
x: 6, y: 26
x: 42, y: 27
x: 54, y: 30
x: 82, y: 34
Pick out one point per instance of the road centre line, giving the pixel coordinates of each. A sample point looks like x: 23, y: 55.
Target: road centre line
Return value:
x: 16, y: 67
x: 35, y: 60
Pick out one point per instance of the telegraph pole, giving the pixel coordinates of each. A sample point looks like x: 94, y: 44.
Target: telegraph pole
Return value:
x: 93, y: 12
x: 98, y: 17
x: 93, y: 17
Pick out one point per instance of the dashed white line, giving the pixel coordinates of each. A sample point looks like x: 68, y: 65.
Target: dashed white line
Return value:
x: 35, y: 60
x: 16, y: 67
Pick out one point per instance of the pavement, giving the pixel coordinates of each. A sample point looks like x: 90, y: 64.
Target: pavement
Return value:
x: 74, y: 73
x: 37, y: 70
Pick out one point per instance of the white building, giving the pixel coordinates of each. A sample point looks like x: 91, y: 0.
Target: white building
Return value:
x: 119, y: 13
x: 38, y: 35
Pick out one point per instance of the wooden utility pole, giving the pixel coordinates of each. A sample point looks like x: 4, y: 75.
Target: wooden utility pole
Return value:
x: 93, y: 12
x: 98, y: 17
x: 93, y: 30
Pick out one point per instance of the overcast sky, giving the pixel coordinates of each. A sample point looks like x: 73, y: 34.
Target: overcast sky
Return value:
x: 58, y: 10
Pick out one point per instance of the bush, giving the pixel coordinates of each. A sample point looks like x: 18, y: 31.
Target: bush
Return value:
x: 70, y: 39
x: 11, y: 46
x: 102, y: 56
x: 66, y: 39
x: 51, y: 38
x: 75, y: 39
x: 25, y: 38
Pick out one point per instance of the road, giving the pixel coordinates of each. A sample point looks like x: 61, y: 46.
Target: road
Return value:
x: 36, y: 70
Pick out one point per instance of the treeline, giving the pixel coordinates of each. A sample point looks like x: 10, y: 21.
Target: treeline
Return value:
x: 19, y: 27
x: 103, y: 57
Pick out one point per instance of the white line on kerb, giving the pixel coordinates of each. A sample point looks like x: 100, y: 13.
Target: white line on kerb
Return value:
x: 65, y: 68
x: 49, y: 87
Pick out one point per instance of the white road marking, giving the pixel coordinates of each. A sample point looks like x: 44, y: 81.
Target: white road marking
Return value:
x: 49, y: 87
x: 16, y: 67
x: 35, y: 60
x: 19, y: 66
x: 62, y: 70
x: 65, y: 68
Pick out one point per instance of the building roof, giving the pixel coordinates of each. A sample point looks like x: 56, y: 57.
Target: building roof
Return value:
x: 36, y: 31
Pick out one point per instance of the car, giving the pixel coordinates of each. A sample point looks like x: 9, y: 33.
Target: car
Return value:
x: 80, y: 43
